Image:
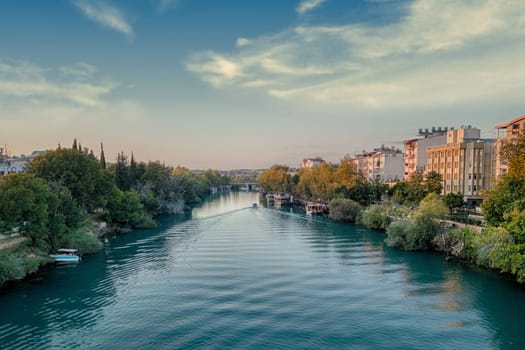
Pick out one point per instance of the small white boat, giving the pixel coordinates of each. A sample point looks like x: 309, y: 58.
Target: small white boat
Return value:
x: 66, y: 256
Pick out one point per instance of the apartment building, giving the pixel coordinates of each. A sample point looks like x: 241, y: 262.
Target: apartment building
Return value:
x: 384, y: 164
x: 507, y: 132
x: 312, y: 162
x: 466, y: 163
x: 415, y: 155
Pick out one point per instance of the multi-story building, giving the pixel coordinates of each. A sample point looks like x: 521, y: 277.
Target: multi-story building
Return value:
x: 416, y: 151
x: 466, y: 163
x: 312, y: 162
x: 507, y: 132
x: 384, y: 164
x: 9, y: 165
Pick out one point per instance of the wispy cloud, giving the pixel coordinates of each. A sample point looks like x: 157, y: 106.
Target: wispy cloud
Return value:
x: 105, y: 15
x: 163, y: 5
x: 75, y: 85
x: 308, y: 5
x: 441, y: 52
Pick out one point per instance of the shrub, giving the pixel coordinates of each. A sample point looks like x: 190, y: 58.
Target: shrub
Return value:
x: 375, y: 217
x: 85, y: 242
x: 344, y: 210
x: 413, y: 234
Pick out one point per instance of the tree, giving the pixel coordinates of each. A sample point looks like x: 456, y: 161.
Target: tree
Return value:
x: 80, y: 173
x: 24, y: 205
x: 503, y: 199
x: 433, y: 182
x: 432, y: 206
x: 124, y: 209
x: 454, y: 200
x: 122, y: 176
x: 102, y: 156
x: 276, y: 179
x: 344, y: 210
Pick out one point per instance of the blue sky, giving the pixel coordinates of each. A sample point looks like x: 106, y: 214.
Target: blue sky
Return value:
x: 235, y: 84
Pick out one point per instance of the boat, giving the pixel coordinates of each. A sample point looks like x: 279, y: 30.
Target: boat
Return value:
x: 66, y: 256
x: 313, y: 208
x: 255, y: 205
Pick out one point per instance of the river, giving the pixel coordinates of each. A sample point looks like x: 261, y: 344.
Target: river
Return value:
x: 233, y: 276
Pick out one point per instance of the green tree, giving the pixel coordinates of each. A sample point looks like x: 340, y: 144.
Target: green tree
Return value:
x: 124, y: 209
x: 432, y: 206
x: 344, y: 210
x: 503, y: 199
x: 102, y: 157
x: 454, y: 200
x: 433, y: 182
x: 122, y: 173
x: 80, y: 173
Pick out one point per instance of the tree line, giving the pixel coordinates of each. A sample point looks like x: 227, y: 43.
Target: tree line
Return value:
x: 63, y: 189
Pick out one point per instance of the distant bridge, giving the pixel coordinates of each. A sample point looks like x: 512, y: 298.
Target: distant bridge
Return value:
x: 243, y: 186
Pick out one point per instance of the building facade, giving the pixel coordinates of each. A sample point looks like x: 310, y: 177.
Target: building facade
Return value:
x: 415, y: 154
x: 466, y: 163
x: 384, y: 164
x: 507, y: 132
x: 312, y: 162
x: 14, y: 165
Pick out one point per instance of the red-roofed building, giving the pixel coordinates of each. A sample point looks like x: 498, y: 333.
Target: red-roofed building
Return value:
x: 507, y: 132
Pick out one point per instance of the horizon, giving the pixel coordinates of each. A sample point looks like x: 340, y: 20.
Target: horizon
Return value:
x: 244, y: 85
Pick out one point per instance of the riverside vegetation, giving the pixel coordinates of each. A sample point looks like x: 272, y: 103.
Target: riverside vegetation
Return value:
x: 413, y: 212
x: 67, y: 196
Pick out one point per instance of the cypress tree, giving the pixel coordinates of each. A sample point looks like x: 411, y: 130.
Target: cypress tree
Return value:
x: 75, y: 144
x: 102, y: 157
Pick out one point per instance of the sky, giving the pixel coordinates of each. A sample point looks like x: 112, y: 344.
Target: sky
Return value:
x: 231, y: 84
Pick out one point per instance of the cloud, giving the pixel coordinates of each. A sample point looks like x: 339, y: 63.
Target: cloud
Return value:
x: 163, y: 5
x: 439, y: 52
x: 74, y: 86
x: 308, y: 5
x: 105, y: 15
x: 242, y: 42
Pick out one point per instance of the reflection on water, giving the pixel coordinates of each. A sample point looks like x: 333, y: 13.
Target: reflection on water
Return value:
x: 236, y: 276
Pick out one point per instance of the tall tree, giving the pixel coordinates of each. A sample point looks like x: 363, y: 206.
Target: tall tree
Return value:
x: 122, y: 178
x: 102, y: 156
x: 75, y: 147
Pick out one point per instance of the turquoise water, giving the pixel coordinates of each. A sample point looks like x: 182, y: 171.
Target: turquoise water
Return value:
x: 232, y: 276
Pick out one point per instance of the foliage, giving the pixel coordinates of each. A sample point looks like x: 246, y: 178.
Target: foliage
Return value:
x: 124, y: 209
x: 85, y: 242
x: 432, y: 206
x: 375, y: 217
x: 433, y: 182
x: 276, y: 179
x: 344, y: 210
x: 77, y: 171
x: 454, y: 200
x: 503, y: 199
x: 17, y: 262
x: 413, y: 234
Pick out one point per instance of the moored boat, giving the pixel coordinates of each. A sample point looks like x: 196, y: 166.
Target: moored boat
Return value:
x: 66, y: 256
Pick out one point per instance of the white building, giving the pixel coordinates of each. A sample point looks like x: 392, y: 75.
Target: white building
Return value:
x: 13, y: 165
x: 416, y: 151
x: 384, y: 164
x: 312, y: 162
